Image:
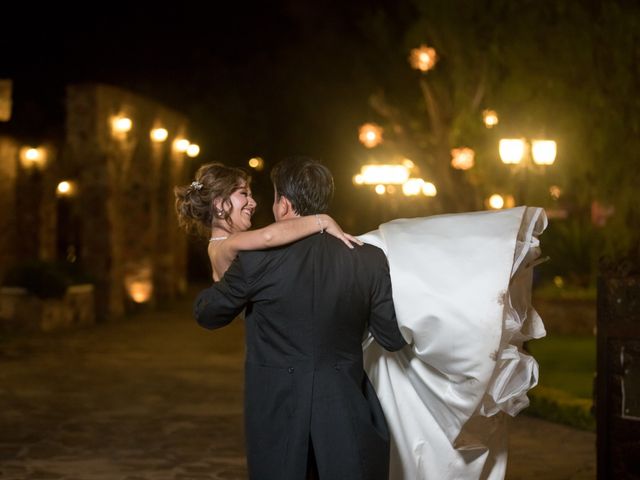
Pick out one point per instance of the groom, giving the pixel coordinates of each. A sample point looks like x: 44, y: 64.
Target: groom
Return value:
x: 309, y: 406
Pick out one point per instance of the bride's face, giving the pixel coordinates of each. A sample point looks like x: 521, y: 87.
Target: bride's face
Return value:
x: 243, y: 208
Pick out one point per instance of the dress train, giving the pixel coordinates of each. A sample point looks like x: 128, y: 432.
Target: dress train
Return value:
x: 462, y: 292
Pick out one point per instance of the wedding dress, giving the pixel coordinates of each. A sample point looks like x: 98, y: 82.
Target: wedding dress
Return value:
x: 462, y: 291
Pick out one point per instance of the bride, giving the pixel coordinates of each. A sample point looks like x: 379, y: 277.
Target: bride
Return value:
x: 462, y: 291
x: 219, y: 203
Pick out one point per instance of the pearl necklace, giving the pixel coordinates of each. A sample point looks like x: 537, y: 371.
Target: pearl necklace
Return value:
x: 215, y: 239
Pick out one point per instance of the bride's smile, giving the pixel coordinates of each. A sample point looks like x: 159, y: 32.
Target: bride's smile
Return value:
x: 243, y: 207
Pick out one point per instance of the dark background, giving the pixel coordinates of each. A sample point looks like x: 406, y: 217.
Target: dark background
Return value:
x: 267, y: 79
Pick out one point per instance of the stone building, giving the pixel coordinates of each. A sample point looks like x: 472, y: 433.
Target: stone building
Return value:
x: 116, y: 216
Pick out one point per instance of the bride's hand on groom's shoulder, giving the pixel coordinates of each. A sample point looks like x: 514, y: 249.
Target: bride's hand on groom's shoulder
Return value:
x: 332, y: 228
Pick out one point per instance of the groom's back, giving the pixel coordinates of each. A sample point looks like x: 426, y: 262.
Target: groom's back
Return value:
x: 313, y: 299
x: 306, y: 390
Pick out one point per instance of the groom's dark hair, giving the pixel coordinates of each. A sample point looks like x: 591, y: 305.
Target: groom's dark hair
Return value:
x: 305, y: 182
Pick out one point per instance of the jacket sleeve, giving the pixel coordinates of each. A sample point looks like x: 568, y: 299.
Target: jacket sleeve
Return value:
x: 219, y: 304
x: 383, y: 324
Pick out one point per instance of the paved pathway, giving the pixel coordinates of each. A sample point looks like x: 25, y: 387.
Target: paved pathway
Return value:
x: 155, y: 397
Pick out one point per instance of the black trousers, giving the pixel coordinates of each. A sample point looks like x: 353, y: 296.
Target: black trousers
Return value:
x: 312, y: 466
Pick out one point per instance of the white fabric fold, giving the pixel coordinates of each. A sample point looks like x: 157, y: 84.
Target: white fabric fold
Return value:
x: 462, y: 291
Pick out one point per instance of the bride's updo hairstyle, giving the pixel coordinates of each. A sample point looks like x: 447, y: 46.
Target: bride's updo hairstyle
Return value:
x: 194, y: 202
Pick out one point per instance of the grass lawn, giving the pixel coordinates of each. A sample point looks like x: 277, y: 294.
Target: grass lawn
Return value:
x: 567, y: 363
x: 565, y: 390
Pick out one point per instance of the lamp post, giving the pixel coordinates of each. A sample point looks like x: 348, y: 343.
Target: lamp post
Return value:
x: 525, y: 156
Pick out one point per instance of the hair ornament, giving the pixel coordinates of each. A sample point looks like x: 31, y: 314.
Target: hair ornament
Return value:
x: 195, y: 185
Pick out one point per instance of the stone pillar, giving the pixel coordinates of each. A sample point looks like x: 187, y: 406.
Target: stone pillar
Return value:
x: 47, y: 209
x: 86, y: 146
x: 8, y: 174
x: 29, y: 188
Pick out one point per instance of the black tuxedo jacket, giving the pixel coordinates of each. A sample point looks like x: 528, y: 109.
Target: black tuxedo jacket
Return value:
x: 307, y: 307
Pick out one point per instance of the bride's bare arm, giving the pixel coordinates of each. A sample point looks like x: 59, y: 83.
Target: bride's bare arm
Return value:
x: 287, y: 231
x: 275, y: 235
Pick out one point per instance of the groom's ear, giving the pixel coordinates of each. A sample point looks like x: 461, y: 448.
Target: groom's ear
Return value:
x: 286, y: 209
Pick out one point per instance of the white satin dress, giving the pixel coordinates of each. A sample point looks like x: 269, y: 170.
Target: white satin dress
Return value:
x: 462, y: 292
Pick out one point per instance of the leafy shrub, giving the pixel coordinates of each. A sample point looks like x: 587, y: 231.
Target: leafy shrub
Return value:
x: 557, y: 406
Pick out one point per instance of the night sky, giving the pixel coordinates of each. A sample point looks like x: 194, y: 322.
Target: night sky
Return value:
x: 264, y: 78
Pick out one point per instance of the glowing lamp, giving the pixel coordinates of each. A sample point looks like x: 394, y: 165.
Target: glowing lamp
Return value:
x: 496, y: 201
x: 193, y: 150
x: 543, y: 152
x: 380, y: 189
x: 31, y: 157
x: 429, y: 189
x: 512, y: 150
x: 370, y: 135
x: 140, y: 291
x: 121, y: 125
x: 384, y: 174
x: 358, y: 179
x: 412, y: 187
x: 462, y: 158
x: 423, y: 58
x: 159, y: 135
x: 65, y: 189
x: 257, y: 163
x: 181, y: 144
x: 490, y: 118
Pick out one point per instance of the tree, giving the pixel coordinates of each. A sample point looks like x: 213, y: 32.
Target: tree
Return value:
x: 567, y: 70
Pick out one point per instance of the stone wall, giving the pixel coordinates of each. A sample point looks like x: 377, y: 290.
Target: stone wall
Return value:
x: 27, y: 206
x: 130, y: 238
